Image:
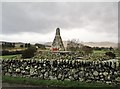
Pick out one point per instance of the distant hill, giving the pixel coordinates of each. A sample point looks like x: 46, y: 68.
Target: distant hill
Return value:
x: 48, y: 43
x: 101, y: 44
x: 92, y: 44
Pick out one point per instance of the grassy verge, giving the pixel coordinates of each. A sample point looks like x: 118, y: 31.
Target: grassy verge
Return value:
x: 56, y: 83
x: 99, y: 52
x: 8, y: 56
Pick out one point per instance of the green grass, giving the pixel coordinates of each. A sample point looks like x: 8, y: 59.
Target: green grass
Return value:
x: 56, y: 83
x: 8, y: 56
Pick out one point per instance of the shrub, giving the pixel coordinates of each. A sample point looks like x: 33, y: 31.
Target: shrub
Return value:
x: 29, y: 52
x: 87, y: 49
x: 110, y: 54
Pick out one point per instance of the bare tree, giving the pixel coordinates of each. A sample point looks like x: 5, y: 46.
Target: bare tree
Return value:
x: 73, y: 45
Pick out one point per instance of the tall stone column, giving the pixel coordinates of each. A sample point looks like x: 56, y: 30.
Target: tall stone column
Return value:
x: 57, y: 44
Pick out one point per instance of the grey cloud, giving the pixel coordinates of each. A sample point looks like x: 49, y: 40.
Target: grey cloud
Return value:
x: 45, y: 17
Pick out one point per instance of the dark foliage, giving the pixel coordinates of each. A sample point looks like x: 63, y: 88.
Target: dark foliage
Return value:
x: 110, y: 54
x: 97, y: 48
x: 8, y: 45
x: 87, y: 49
x: 27, y: 45
x: 29, y: 52
x: 21, y: 46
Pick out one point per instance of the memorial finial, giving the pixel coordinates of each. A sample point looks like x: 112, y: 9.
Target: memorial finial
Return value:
x: 58, y: 31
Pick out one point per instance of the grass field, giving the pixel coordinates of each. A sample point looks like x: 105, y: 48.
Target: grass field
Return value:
x: 56, y: 83
x: 8, y: 56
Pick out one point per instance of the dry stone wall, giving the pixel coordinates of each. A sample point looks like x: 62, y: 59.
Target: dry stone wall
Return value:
x: 73, y: 70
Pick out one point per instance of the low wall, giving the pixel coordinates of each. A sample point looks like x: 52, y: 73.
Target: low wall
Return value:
x: 84, y: 71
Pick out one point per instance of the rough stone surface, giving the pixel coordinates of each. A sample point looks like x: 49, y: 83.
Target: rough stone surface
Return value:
x: 62, y: 70
x: 57, y: 42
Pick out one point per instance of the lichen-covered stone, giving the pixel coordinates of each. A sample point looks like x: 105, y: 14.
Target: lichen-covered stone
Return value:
x: 95, y: 73
x: 63, y: 69
x: 17, y: 70
x: 105, y: 73
x: 118, y: 79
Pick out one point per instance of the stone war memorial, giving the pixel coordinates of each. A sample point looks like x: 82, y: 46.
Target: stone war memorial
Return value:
x: 52, y: 65
x: 57, y: 44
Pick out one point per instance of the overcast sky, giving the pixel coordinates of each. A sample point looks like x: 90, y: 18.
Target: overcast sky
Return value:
x: 37, y: 21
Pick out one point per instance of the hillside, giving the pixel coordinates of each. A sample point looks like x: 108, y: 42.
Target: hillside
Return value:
x: 92, y: 44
